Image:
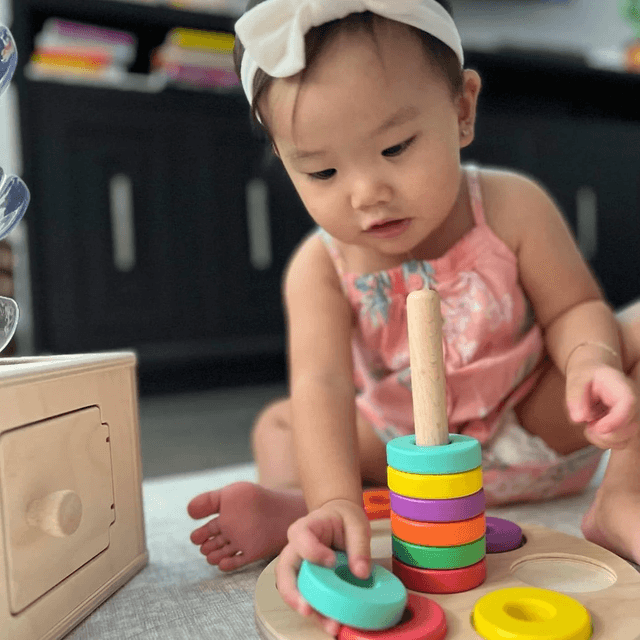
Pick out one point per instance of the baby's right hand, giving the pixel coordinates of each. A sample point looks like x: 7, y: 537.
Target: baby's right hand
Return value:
x: 338, y: 524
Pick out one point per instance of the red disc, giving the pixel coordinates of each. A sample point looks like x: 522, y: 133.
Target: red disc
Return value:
x: 423, y: 619
x: 440, y: 580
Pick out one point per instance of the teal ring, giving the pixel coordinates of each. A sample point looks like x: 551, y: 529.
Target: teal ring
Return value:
x: 463, y: 453
x: 376, y: 603
x: 416, y: 555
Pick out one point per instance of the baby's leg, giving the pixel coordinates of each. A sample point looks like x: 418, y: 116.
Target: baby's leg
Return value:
x: 251, y: 520
x: 613, y: 520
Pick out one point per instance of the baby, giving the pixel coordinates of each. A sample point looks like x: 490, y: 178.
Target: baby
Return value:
x: 367, y: 104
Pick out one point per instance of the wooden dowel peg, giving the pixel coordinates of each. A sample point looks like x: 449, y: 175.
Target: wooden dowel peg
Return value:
x: 427, y: 368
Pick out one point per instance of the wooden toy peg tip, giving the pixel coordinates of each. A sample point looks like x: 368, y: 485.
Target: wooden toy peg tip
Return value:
x: 424, y: 320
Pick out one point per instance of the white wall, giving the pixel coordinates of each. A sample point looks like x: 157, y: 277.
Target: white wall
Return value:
x: 569, y: 25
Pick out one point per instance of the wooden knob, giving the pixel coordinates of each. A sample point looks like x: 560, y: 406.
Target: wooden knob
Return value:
x: 58, y: 514
x: 424, y: 320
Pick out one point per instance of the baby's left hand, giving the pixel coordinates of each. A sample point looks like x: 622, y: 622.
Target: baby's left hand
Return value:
x: 607, y: 401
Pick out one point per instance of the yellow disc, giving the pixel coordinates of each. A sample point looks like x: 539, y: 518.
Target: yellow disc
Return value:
x: 530, y: 613
x: 434, y: 487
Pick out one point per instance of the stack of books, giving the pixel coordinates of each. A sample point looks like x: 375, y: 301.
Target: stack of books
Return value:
x: 198, y: 58
x: 72, y: 49
x: 223, y: 7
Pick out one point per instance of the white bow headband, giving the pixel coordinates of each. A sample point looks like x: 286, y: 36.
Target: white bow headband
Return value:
x: 272, y: 33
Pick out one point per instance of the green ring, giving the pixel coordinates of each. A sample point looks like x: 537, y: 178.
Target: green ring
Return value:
x: 463, y: 453
x: 416, y: 555
x: 375, y: 603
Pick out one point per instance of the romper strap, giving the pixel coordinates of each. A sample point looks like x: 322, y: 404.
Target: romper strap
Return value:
x: 475, y: 193
x: 333, y: 250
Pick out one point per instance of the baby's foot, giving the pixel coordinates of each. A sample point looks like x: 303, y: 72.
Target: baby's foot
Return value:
x: 613, y: 522
x: 250, y: 523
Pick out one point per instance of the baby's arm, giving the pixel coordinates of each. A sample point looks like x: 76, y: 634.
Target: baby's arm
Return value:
x: 319, y: 322
x: 581, y: 332
x: 323, y: 421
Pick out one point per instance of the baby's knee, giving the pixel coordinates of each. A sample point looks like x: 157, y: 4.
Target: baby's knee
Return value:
x: 275, y: 416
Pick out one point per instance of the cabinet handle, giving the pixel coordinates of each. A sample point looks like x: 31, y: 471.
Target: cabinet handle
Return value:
x: 122, y: 222
x: 258, y: 224
x: 587, y: 221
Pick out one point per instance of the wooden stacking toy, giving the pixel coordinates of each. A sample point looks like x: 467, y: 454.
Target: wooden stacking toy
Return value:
x: 486, y: 577
x: 435, y: 478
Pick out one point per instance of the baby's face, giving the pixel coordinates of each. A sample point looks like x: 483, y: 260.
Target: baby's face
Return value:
x: 371, y: 140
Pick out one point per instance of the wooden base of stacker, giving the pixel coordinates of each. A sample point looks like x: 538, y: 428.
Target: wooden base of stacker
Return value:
x: 605, y: 584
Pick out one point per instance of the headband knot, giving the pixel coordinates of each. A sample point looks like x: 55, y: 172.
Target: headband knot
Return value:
x: 273, y: 32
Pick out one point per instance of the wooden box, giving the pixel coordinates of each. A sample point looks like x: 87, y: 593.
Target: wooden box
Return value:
x: 71, y: 518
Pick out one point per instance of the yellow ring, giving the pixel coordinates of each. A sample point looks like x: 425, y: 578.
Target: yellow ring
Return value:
x: 530, y: 613
x: 443, y: 486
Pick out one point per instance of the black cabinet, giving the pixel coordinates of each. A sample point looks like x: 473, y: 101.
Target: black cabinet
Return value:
x: 105, y: 236
x: 153, y: 226
x: 576, y: 130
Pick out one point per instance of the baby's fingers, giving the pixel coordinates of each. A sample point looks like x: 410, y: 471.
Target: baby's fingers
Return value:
x: 287, y: 584
x: 615, y: 395
x: 358, y: 547
x: 306, y: 535
x: 287, y: 581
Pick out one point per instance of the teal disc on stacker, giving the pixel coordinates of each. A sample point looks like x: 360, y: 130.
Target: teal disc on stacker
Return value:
x: 375, y: 603
x: 463, y: 453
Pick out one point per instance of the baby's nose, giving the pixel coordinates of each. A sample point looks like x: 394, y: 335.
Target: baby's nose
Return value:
x: 370, y: 191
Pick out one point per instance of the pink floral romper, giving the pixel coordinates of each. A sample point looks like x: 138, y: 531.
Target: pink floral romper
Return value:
x: 491, y: 348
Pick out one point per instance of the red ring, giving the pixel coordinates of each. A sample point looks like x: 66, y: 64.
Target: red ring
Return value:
x: 440, y: 580
x: 423, y: 619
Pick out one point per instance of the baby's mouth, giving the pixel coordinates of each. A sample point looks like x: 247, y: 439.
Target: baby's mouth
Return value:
x: 388, y: 224
x: 389, y: 228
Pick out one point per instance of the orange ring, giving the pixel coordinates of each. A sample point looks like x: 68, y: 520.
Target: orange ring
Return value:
x: 438, y: 534
x: 376, y: 503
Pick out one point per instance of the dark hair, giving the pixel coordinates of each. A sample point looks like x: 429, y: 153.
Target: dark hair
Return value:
x: 441, y: 57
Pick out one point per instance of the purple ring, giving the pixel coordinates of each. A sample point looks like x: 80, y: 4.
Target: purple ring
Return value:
x: 451, y: 510
x: 502, y: 535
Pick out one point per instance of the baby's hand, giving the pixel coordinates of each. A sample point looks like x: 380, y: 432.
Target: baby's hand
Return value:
x: 340, y: 524
x: 607, y: 400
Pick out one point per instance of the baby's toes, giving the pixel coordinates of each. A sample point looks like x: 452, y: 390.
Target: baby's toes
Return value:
x: 213, y: 544
x: 205, y: 504
x: 222, y: 554
x: 206, y: 531
x: 233, y: 562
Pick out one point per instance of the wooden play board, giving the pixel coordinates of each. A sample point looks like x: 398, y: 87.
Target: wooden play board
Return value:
x: 605, y: 584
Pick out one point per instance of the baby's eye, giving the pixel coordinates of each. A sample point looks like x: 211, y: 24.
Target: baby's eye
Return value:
x: 323, y: 175
x: 399, y: 148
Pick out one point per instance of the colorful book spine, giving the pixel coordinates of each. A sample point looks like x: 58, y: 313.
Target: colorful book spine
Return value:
x: 204, y: 40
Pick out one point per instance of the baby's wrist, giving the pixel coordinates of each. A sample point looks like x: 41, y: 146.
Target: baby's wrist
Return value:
x: 338, y: 500
x: 592, y: 353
